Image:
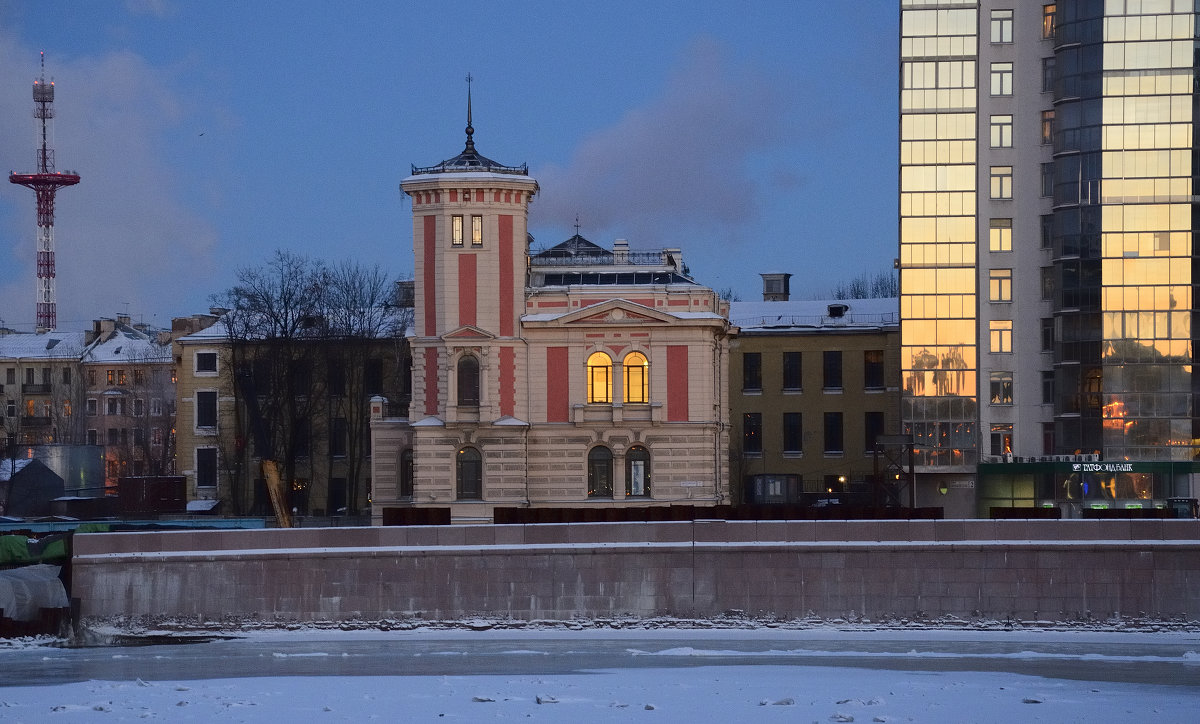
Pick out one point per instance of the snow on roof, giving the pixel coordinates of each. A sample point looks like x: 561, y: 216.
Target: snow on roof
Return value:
x: 201, y: 506
x: 44, y: 345
x: 812, y: 314
x: 128, y: 345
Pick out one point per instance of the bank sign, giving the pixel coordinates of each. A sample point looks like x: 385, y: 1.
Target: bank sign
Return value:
x: 1102, y: 467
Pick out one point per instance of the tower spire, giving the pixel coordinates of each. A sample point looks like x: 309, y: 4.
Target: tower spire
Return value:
x: 470, y: 148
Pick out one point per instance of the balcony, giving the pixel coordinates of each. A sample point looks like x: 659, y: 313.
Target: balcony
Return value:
x: 33, y: 422
x: 29, y: 388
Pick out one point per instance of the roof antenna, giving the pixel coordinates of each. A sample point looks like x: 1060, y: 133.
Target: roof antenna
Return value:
x: 576, y: 224
x: 470, y: 129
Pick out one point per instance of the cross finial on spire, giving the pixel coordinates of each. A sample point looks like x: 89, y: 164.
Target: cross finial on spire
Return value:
x: 470, y: 129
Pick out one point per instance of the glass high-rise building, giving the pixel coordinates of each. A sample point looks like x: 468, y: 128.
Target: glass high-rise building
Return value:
x: 1047, y: 251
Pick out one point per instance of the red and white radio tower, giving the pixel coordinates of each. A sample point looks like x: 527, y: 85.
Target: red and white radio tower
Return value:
x: 45, y: 183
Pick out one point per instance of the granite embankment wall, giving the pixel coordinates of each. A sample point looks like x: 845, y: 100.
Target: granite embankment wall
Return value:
x: 1036, y: 569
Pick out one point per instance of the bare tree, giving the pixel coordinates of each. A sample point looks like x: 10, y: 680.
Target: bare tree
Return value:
x: 882, y: 285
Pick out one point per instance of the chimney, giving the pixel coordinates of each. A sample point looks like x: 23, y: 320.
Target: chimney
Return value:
x: 776, y: 286
x: 621, y: 251
x: 837, y: 311
x: 123, y: 319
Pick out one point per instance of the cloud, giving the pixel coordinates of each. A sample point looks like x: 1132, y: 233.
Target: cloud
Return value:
x: 125, y: 234
x: 676, y: 165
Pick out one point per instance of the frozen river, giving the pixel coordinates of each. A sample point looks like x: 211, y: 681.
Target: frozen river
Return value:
x: 724, y: 675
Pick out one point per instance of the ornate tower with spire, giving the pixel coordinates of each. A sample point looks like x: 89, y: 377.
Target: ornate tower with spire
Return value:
x: 45, y: 182
x: 470, y: 249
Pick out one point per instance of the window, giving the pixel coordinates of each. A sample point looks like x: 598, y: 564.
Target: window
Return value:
x: 46, y: 376
x: 600, y: 472
x: 1047, y: 127
x: 91, y: 407
x: 872, y: 429
x: 1049, y: 14
x: 373, y: 377
x: 139, y: 436
x: 1001, y: 389
x: 637, y: 378
x: 793, y: 433
x: 12, y: 408
x: 1048, y: 74
x: 832, y: 369
x: 1000, y: 285
x: 139, y: 407
x: 873, y: 369
x: 637, y: 472
x: 1047, y: 180
x: 1001, y: 182
x: 468, y: 381
x: 66, y: 375
x: 833, y: 433
x: 156, y: 436
x: 1047, y: 227
x: 92, y: 437
x: 1000, y: 335
x: 91, y: 378
x: 1002, y: 78
x: 338, y: 437
x: 139, y: 377
x: 301, y: 439
x: 114, y: 436
x: 752, y: 433
x: 10, y: 376
x: 206, y: 467
x: 115, y: 406
x: 66, y: 405
x: 206, y: 409
x: 1047, y: 334
x: 1002, y: 26
x: 1047, y: 387
x: 1001, y: 131
x: 122, y: 378
x: 1002, y: 438
x: 406, y: 474
x: 792, y: 371
x: 335, y: 374
x: 476, y: 231
x: 111, y: 376
x: 1000, y: 234
x: 456, y: 230
x: 468, y: 472
x: 1047, y: 283
x: 751, y: 371
x: 599, y: 378
x: 155, y: 407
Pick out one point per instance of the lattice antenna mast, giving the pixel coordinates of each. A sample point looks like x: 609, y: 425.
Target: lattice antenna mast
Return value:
x: 45, y: 184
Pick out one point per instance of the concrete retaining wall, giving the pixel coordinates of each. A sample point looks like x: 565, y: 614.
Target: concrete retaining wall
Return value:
x: 999, y: 569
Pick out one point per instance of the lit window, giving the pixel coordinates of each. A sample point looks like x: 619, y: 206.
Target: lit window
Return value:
x: 637, y: 378
x: 476, y: 231
x: 1002, y: 79
x: 456, y: 230
x: 1001, y: 182
x: 1000, y: 234
x: 1000, y: 285
x: 1002, y: 438
x: 1049, y: 15
x: 1001, y: 131
x: 1000, y: 335
x: 1001, y: 389
x: 599, y: 378
x: 1002, y: 26
x: 637, y: 472
x: 600, y: 472
x: 1047, y: 126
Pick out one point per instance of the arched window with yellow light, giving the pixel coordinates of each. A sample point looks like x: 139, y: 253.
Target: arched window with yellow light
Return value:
x: 599, y: 378
x: 637, y: 377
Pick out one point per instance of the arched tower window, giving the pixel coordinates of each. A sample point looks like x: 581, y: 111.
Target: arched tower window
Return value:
x: 637, y: 472
x: 599, y: 378
x: 468, y: 468
x: 637, y: 377
x: 468, y: 381
x: 600, y: 472
x: 406, y: 474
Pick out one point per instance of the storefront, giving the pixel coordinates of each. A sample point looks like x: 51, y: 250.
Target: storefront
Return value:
x: 1074, y: 482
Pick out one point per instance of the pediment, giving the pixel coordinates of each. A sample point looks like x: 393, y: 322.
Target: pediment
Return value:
x: 467, y: 332
x: 615, y: 311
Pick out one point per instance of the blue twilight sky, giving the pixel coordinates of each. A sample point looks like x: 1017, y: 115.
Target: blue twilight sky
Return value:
x: 755, y: 136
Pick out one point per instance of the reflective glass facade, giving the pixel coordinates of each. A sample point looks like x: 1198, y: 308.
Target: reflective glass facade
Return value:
x: 1123, y: 220
x: 938, y: 186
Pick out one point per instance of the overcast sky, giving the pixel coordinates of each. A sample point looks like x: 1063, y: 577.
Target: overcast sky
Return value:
x: 755, y: 136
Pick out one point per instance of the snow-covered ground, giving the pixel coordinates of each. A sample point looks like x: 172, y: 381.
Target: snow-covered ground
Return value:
x: 756, y: 676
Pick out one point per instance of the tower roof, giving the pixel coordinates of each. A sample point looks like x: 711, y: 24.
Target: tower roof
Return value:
x: 470, y: 159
